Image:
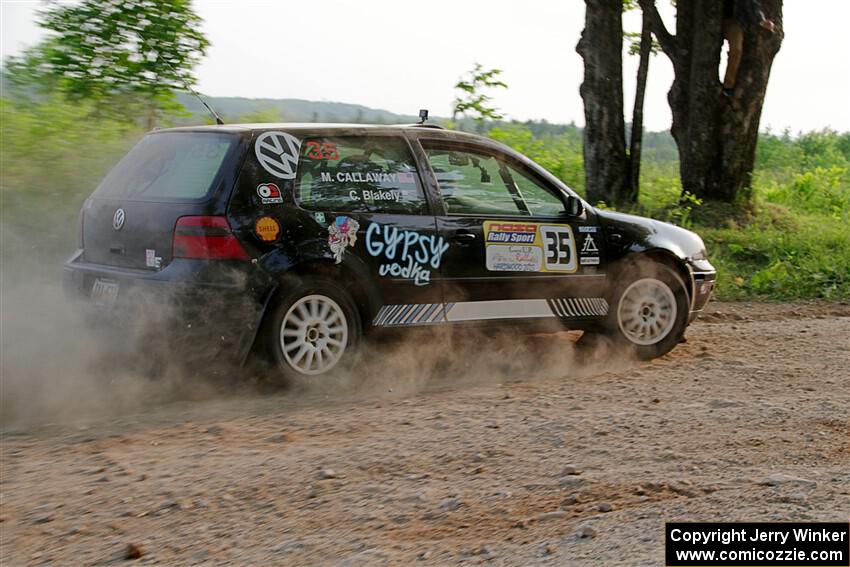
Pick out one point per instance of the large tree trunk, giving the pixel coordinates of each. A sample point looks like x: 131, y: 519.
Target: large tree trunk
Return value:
x: 636, y: 141
x: 716, y: 135
x: 601, y: 48
x: 696, y: 95
x: 740, y: 128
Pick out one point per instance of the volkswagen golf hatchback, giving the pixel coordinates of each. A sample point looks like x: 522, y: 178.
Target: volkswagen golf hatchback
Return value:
x: 301, y: 239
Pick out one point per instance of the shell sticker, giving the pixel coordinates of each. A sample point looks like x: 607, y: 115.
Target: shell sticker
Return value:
x: 267, y: 229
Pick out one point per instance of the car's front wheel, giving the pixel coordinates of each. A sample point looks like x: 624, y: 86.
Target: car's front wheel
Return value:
x: 649, y: 310
x: 313, y: 330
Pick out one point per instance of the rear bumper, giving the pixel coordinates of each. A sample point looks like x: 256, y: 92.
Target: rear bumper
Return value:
x: 199, y: 309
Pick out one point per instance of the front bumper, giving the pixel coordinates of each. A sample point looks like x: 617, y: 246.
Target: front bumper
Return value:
x: 703, y: 278
x: 198, y: 309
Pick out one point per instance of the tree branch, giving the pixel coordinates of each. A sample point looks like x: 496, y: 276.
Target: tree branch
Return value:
x: 656, y: 24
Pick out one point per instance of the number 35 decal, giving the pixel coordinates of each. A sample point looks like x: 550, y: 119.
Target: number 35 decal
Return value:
x: 325, y: 150
x: 560, y: 248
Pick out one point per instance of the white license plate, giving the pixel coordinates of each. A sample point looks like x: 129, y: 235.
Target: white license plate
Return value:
x: 104, y: 292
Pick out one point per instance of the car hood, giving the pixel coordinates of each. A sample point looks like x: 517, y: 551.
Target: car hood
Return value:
x: 638, y: 234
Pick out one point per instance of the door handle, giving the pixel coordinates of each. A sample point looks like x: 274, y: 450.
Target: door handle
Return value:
x: 463, y: 235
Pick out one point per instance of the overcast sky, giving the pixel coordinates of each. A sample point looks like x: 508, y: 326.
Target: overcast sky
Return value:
x: 405, y: 55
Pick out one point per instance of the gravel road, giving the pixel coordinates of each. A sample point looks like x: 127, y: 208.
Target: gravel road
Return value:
x: 509, y: 455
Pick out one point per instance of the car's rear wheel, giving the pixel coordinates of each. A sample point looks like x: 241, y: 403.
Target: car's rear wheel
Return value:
x: 649, y: 310
x: 313, y: 331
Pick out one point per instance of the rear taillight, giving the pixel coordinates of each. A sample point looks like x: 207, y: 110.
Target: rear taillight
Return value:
x: 207, y: 238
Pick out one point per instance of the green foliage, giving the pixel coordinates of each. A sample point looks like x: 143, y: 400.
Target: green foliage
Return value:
x: 633, y: 38
x: 128, y: 55
x: 819, y: 191
x: 473, y: 100
x: 681, y: 214
x: 561, y: 155
x: 808, y: 259
x: 793, y: 242
x: 51, y: 158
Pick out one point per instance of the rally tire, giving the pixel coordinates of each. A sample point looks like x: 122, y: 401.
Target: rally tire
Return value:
x: 649, y: 311
x: 312, y: 331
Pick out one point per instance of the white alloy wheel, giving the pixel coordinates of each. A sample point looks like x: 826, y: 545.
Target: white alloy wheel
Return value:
x: 313, y: 334
x: 647, y: 311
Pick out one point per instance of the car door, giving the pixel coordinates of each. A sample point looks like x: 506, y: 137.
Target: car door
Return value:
x: 515, y: 251
x: 367, y: 192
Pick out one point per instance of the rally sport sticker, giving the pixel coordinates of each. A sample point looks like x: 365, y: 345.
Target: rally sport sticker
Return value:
x: 278, y: 153
x: 529, y: 247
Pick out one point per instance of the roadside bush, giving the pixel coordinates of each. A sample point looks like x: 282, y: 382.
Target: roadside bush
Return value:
x: 759, y: 261
x: 53, y: 154
x: 820, y: 191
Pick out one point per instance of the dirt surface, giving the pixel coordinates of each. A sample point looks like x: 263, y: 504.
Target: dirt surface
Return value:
x: 748, y: 420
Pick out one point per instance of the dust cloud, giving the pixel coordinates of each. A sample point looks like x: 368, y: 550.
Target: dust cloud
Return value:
x: 59, y: 366
x: 440, y: 358
x: 55, y: 366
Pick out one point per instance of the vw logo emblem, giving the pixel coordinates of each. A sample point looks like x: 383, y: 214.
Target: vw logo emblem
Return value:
x: 118, y: 219
x: 277, y: 152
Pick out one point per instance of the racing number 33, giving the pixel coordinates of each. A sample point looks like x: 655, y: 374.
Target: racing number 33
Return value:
x: 560, y: 248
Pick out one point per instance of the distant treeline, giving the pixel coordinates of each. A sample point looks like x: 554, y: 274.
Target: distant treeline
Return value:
x: 658, y: 145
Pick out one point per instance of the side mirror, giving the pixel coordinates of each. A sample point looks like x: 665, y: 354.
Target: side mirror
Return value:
x: 574, y: 206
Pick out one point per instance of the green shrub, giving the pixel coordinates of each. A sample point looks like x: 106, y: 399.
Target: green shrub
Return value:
x: 763, y: 261
x: 53, y: 155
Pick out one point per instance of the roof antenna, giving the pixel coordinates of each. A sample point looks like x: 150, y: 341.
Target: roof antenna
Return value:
x: 218, y: 119
x: 186, y: 85
x: 423, y: 115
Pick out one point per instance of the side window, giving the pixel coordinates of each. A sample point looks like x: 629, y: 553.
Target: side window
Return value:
x: 540, y: 200
x: 358, y: 174
x: 479, y: 184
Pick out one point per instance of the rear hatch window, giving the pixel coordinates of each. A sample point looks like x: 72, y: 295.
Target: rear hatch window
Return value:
x: 165, y: 176
x: 169, y: 166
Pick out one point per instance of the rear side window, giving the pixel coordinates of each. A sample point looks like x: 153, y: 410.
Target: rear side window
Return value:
x: 359, y: 174
x: 169, y: 166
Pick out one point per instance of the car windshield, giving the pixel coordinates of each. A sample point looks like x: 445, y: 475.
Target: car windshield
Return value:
x: 169, y: 165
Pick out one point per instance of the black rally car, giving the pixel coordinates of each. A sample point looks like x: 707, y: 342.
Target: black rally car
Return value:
x: 301, y: 238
